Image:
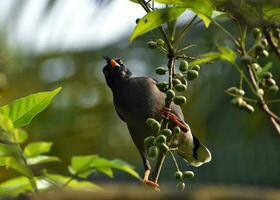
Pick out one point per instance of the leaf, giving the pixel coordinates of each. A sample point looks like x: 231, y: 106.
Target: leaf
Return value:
x: 123, y: 166
x: 264, y: 69
x: 20, y: 135
x: 82, y: 165
x: 206, y: 20
x: 23, y: 110
x: 37, y: 148
x: 7, y: 150
x: 15, y: 186
x: 154, y: 19
x: 15, y: 163
x: 227, y: 54
x: 41, y: 159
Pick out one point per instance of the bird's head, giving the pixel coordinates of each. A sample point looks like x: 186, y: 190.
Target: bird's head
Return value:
x: 115, y: 70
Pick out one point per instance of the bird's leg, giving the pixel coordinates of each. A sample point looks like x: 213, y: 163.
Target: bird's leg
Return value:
x: 166, y: 112
x: 148, y: 182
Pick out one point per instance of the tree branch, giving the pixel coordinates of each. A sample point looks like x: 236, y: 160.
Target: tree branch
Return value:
x: 268, y: 36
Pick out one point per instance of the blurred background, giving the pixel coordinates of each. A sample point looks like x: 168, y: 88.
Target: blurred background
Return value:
x: 49, y: 43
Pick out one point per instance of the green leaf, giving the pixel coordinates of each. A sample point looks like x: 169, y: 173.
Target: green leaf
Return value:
x: 6, y: 123
x: 15, y: 186
x: 227, y: 54
x: 81, y: 165
x: 41, y: 159
x: 8, y: 150
x: 124, y: 166
x: 264, y: 69
x: 154, y: 19
x: 37, y: 148
x: 20, y: 135
x: 15, y: 163
x: 23, y: 110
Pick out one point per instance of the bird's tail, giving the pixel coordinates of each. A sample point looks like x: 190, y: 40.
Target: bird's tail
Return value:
x: 194, y: 152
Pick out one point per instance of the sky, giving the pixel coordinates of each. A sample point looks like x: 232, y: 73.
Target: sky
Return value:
x: 71, y: 24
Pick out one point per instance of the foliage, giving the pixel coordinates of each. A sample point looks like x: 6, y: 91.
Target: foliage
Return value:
x: 17, y: 155
x: 245, y: 56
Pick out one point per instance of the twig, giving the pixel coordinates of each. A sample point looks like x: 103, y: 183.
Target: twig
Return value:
x: 271, y: 43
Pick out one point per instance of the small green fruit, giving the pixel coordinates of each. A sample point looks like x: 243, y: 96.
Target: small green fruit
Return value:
x: 180, y: 87
x: 149, y: 121
x: 257, y: 33
x: 177, y: 130
x: 196, y: 68
x: 192, y: 74
x: 179, y: 100
x: 270, y: 82
x: 155, y: 126
x: 161, y: 70
x: 170, y: 94
x: 238, y: 101
x: 178, y: 175
x: 246, y: 59
x: 260, y: 92
x: 181, y: 186
x: 267, y: 75
x: 167, y: 132
x: 240, y: 92
x: 160, y: 42
x: 264, y: 42
x: 160, y: 139
x: 183, y: 66
x: 249, y: 108
x: 265, y: 53
x: 176, y: 81
x: 274, y: 88
x: 232, y: 90
x: 149, y: 140
x: 153, y: 152
x: 163, y: 147
x: 162, y: 86
x: 152, y: 44
x: 256, y: 66
x: 188, y: 174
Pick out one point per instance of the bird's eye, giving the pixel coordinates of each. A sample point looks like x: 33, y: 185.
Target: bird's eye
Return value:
x: 120, y: 61
x: 106, y: 73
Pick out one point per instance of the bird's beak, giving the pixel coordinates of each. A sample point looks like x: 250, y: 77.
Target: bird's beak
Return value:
x: 111, y: 62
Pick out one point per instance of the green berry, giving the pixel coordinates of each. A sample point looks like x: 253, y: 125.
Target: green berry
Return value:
x: 155, y: 126
x: 257, y: 33
x: 162, y: 86
x: 267, y: 75
x: 192, y: 74
x: 260, y: 92
x: 180, y: 100
x: 160, y: 139
x: 264, y: 42
x: 180, y: 87
x: 149, y: 121
x: 240, y: 92
x: 163, y: 147
x: 246, y: 60
x: 178, y: 175
x: 265, y: 53
x: 149, y: 140
x: 196, y: 68
x: 177, y: 130
x: 152, y: 44
x: 160, y: 42
x: 153, y: 152
x: 274, y: 88
x: 170, y: 94
x: 161, y: 70
x: 238, y: 101
x: 183, y: 66
x: 255, y: 66
x: 270, y: 82
x: 259, y: 49
x: 176, y: 81
x: 181, y: 186
x: 232, y: 90
x: 167, y: 132
x: 249, y: 108
x: 188, y: 174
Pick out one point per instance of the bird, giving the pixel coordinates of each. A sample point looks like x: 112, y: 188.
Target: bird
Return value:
x: 137, y: 98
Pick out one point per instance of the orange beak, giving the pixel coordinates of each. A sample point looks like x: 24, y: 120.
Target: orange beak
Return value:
x: 114, y: 63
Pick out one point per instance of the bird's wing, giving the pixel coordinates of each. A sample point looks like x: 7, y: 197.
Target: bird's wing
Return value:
x: 120, y: 116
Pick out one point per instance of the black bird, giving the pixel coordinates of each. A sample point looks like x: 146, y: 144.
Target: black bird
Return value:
x: 138, y: 98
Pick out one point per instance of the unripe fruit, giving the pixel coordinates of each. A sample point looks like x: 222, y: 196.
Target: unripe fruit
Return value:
x: 160, y: 42
x: 183, y: 66
x: 166, y: 132
x: 246, y: 60
x: 265, y: 53
x: 256, y: 66
x: 196, y: 68
x: 163, y: 147
x: 160, y: 139
x: 240, y: 92
x: 153, y: 152
x: 181, y: 186
x: 258, y: 49
x: 188, y: 174
x: 257, y: 33
x: 162, y: 86
x: 178, y: 175
x: 149, y: 121
x: 274, y: 88
x: 177, y: 130
x: 155, y: 126
x: 192, y: 74
x: 267, y: 75
x: 161, y: 70
x: 180, y: 87
x: 176, y: 81
x: 270, y: 82
x: 237, y: 101
x: 152, y: 44
x: 264, y: 42
x: 170, y: 94
x: 249, y: 108
x: 232, y: 90
x: 149, y: 140
x: 179, y: 100
x: 260, y: 92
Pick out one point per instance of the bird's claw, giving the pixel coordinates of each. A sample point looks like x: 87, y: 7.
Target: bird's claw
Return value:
x: 152, y: 184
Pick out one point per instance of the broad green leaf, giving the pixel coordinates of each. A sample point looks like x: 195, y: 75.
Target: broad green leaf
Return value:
x: 107, y: 171
x: 6, y: 123
x: 23, y: 110
x: 15, y: 163
x: 206, y: 20
x: 15, y: 186
x: 264, y: 69
x: 81, y: 165
x: 41, y: 159
x: 37, y: 148
x: 8, y: 150
x: 227, y: 54
x: 20, y: 135
x: 123, y: 166
x: 154, y: 19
